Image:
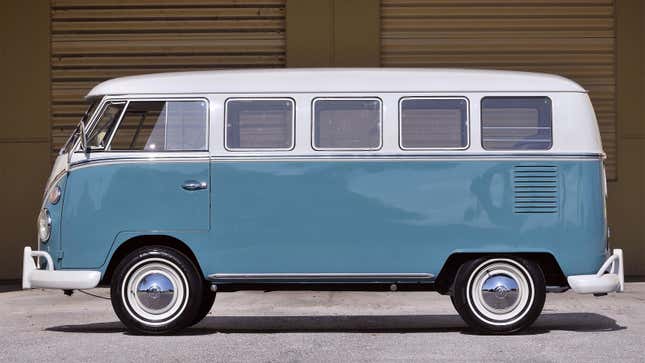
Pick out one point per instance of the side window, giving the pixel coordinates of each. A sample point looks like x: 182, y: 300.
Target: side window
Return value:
x: 259, y: 124
x: 516, y: 123
x: 428, y: 123
x: 163, y: 126
x: 101, y: 131
x: 347, y: 124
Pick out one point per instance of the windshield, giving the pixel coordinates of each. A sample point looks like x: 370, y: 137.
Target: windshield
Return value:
x: 74, y: 136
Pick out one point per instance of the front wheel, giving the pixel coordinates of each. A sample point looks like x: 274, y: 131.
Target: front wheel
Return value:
x: 206, y: 304
x: 156, y: 290
x: 499, y: 295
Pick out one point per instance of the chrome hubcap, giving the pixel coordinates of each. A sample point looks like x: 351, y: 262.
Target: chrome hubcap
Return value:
x: 155, y: 292
x: 500, y: 293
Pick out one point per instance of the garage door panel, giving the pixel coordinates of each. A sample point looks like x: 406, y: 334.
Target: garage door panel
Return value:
x: 573, y: 38
x: 182, y: 25
x: 83, y: 62
x: 95, y: 40
x: 422, y: 10
x: 209, y: 13
x: 501, y: 34
x: 120, y: 4
x: 497, y: 45
x: 485, y: 24
x: 496, y: 60
x: 497, y: 3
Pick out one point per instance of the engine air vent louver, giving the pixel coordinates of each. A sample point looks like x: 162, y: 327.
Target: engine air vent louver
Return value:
x: 535, y: 189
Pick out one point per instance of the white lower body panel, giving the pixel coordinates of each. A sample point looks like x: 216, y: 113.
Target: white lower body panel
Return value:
x: 35, y: 278
x: 610, y: 277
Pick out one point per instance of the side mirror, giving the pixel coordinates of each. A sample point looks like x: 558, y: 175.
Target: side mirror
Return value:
x: 81, y: 131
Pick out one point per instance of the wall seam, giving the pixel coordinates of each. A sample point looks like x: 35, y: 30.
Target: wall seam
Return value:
x: 332, y: 33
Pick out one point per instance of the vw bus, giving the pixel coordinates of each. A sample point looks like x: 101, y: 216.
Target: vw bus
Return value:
x: 487, y: 186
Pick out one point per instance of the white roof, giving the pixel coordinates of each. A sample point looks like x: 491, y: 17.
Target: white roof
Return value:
x: 303, y: 80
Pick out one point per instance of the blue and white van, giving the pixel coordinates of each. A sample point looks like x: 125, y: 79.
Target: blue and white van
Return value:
x: 487, y: 186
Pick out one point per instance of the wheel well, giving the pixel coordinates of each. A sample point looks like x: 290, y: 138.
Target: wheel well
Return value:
x: 553, y: 274
x: 145, y: 240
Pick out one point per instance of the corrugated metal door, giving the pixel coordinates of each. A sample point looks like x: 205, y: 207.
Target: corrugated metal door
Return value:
x: 94, y: 40
x: 573, y: 38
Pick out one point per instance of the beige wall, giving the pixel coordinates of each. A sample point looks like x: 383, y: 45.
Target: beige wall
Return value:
x: 627, y: 194
x: 333, y: 33
x: 24, y: 126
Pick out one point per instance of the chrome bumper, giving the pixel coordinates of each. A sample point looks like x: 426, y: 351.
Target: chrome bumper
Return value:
x: 610, y: 277
x: 35, y: 278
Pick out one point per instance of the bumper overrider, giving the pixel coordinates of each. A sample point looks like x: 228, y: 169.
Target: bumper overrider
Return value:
x: 35, y: 278
x: 609, y: 278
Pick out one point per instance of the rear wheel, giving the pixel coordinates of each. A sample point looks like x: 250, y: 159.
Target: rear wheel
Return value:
x: 156, y: 290
x: 499, y: 295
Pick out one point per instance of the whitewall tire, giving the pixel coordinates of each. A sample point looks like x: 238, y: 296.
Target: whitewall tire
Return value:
x: 157, y: 290
x: 499, y: 294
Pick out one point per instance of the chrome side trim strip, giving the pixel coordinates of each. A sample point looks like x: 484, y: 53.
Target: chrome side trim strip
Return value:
x: 318, y: 276
x: 379, y: 158
x: 322, y: 158
x: 130, y: 160
x: 408, y: 154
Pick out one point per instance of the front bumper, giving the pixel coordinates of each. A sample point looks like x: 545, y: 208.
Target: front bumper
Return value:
x: 610, y: 277
x: 35, y: 278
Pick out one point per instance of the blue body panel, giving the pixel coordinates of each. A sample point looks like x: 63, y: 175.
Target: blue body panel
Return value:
x: 394, y: 216
x: 103, y: 202
x: 343, y: 216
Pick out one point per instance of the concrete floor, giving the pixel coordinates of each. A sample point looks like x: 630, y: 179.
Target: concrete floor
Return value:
x: 322, y: 326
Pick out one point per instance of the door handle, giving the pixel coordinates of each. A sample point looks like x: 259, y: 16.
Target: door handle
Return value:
x: 194, y: 185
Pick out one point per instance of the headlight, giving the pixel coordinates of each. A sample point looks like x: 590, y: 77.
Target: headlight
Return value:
x: 44, y: 225
x: 54, y: 195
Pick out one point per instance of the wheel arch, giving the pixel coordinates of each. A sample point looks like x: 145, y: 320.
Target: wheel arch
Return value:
x: 143, y: 240
x: 553, y: 274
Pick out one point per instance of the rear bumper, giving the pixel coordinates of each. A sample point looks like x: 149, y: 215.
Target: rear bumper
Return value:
x: 610, y: 277
x: 35, y: 278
